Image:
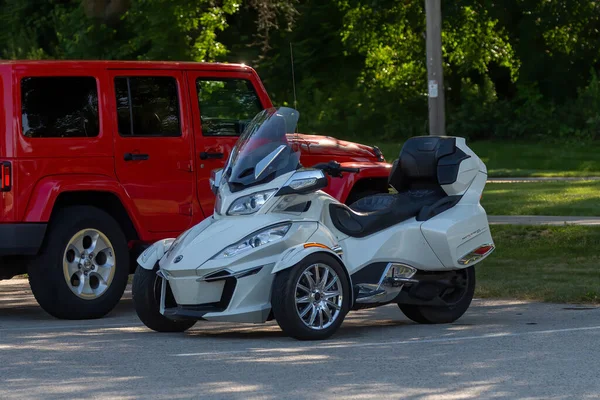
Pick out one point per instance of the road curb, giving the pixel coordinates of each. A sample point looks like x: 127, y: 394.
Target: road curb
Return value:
x: 542, y: 220
x: 543, y: 179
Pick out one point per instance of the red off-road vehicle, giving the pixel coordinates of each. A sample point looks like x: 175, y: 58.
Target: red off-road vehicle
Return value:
x: 100, y: 158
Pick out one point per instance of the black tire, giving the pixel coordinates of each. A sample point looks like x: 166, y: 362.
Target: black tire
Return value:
x: 46, y: 276
x: 444, y: 315
x: 283, y: 300
x: 146, y: 300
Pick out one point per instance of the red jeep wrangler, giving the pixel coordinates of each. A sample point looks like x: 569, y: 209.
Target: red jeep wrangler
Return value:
x: 100, y: 158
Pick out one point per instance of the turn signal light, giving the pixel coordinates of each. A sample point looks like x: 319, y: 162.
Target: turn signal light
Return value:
x: 307, y: 245
x: 5, y: 176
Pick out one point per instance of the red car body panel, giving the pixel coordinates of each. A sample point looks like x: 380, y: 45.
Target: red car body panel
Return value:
x: 340, y: 187
x: 163, y: 195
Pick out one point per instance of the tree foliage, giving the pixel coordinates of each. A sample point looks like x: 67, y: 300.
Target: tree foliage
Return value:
x: 126, y: 29
x: 513, y: 68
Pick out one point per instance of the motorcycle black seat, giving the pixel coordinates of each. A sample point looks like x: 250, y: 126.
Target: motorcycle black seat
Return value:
x: 375, y: 213
x: 424, y: 165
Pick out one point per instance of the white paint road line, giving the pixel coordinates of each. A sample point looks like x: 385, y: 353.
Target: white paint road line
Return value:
x: 384, y: 344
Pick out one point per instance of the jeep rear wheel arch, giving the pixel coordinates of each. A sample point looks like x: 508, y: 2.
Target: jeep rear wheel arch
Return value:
x: 55, y: 192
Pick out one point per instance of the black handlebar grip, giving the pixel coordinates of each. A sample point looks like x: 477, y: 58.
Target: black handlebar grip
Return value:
x: 350, y: 170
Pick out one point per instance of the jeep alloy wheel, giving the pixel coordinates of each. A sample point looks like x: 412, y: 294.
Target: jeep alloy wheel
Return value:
x: 89, y: 263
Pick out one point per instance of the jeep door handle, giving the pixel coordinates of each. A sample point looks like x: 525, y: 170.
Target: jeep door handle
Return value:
x: 135, y: 157
x: 204, y: 155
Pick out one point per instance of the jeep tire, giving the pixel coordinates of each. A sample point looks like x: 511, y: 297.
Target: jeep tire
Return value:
x: 82, y: 269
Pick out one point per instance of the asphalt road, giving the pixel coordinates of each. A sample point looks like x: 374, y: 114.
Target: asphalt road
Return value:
x: 498, y: 350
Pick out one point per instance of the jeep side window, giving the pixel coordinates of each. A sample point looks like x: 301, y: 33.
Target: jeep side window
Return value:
x: 226, y: 105
x: 59, y: 106
x: 148, y: 106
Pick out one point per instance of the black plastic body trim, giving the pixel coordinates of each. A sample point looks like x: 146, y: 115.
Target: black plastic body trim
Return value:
x: 300, y: 207
x: 21, y: 239
x: 369, y: 274
x: 448, y: 166
x: 197, y: 311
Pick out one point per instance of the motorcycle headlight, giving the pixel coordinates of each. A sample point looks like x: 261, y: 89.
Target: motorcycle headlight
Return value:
x: 255, y: 240
x: 250, y: 204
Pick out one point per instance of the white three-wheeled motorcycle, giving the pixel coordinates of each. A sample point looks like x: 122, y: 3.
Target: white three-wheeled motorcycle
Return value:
x: 277, y: 247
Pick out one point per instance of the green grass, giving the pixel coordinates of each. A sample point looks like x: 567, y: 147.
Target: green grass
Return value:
x: 577, y: 198
x: 508, y: 159
x: 552, y: 264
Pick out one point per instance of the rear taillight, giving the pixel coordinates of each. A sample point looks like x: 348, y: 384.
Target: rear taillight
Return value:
x: 6, y: 176
x: 483, y: 250
x: 477, y: 254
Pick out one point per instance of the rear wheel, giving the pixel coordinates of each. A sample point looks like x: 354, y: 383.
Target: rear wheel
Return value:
x: 460, y: 296
x: 82, y: 269
x: 146, y: 300
x: 311, y: 299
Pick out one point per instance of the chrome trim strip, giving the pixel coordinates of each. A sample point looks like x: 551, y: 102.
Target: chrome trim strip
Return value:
x: 229, y: 274
x: 390, y: 265
x: 338, y: 250
x: 388, y: 287
x: 161, y: 274
x: 163, y: 295
x: 405, y: 280
x: 247, y: 272
x: 472, y: 257
x: 304, y: 174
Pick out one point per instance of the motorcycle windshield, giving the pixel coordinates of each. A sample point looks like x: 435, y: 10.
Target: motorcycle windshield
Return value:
x: 263, y: 152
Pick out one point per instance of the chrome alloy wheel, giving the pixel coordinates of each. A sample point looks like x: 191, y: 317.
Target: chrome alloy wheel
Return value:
x: 89, y: 264
x: 319, y: 296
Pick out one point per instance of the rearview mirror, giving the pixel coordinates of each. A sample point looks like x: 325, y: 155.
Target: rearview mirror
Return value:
x: 215, y: 179
x: 303, y: 182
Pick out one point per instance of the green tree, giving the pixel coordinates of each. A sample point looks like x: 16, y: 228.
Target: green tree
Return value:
x: 125, y: 29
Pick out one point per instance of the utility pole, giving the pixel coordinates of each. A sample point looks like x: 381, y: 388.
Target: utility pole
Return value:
x: 435, y: 73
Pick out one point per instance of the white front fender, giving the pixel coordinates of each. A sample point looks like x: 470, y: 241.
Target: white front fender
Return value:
x: 155, y: 252
x: 294, y: 255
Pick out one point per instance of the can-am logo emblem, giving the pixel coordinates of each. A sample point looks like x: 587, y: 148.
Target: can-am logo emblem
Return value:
x: 177, y: 259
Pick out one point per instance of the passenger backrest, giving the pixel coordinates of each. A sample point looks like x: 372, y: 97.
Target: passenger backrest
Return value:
x: 426, y: 163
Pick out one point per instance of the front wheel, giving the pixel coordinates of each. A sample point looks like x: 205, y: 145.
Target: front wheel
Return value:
x: 311, y: 299
x: 460, y: 296
x: 145, y: 291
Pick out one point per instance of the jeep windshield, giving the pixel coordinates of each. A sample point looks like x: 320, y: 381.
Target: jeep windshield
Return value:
x: 263, y: 152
